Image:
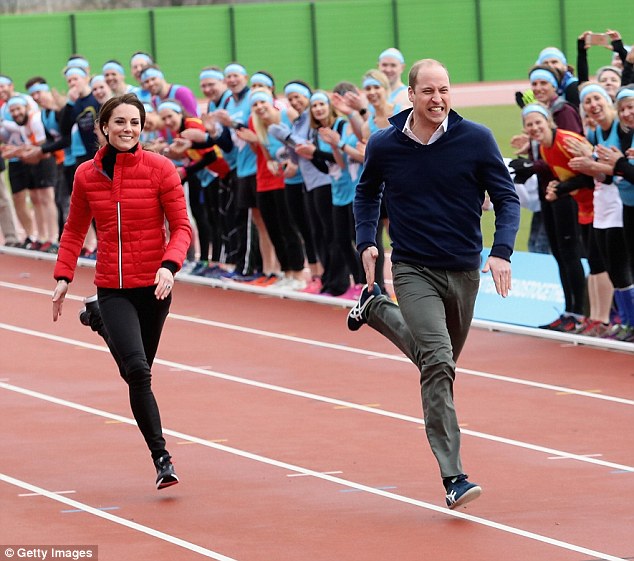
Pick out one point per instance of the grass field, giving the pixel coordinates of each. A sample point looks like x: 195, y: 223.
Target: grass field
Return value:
x: 504, y: 121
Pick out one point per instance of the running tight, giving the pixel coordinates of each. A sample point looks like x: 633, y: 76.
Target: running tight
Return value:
x: 133, y: 319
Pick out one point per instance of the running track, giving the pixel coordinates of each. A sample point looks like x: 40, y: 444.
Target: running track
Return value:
x: 298, y: 440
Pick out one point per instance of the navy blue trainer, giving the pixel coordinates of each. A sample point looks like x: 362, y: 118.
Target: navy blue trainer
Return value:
x: 460, y: 491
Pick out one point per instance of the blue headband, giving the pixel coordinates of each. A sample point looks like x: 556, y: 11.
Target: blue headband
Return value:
x: 78, y: 63
x: 235, y: 69
x: 149, y: 108
x: 534, y: 108
x: 143, y: 57
x: 319, y: 96
x: 97, y: 78
x: 542, y: 74
x: 211, y: 75
x: 38, y: 88
x: 624, y: 94
x: 260, y: 95
x: 371, y: 82
x: 392, y: 53
x: 259, y: 78
x: 170, y: 105
x: 17, y: 100
x: 294, y: 87
x: 75, y: 71
x: 551, y: 52
x: 151, y: 73
x: 113, y: 66
x: 5, y: 81
x: 594, y: 88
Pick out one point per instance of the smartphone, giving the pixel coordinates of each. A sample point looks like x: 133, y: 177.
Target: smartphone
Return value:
x: 237, y: 125
x: 594, y: 39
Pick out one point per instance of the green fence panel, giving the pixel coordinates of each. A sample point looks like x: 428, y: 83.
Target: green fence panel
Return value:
x: 586, y: 15
x: 34, y: 45
x: 112, y: 34
x: 350, y: 37
x: 446, y: 32
x: 276, y: 38
x: 189, y: 39
x: 513, y: 34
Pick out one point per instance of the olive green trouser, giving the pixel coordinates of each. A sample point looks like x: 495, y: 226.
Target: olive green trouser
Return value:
x: 430, y: 325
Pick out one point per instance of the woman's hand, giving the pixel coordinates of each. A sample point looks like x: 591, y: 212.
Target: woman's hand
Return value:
x: 609, y: 155
x: 247, y: 135
x: 59, y: 294
x: 329, y: 136
x: 305, y: 151
x: 576, y: 147
x: 164, y: 281
x: 551, y: 191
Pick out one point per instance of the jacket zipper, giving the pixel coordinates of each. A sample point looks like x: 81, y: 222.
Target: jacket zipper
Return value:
x: 119, y: 249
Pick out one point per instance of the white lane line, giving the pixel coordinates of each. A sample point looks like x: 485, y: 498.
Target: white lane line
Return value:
x: 116, y: 519
x: 298, y: 469
x: 325, y: 399
x: 353, y: 350
x: 38, y: 494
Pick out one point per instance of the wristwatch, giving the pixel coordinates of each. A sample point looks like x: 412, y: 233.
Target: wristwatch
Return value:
x: 363, y: 111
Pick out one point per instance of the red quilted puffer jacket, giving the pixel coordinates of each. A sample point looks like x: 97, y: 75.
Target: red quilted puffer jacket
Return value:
x: 129, y: 212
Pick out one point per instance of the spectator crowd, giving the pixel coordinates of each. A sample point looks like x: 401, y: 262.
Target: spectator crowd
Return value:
x: 270, y: 175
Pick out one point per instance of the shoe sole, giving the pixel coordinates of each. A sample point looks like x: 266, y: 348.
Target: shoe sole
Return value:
x: 167, y: 482
x: 471, y: 495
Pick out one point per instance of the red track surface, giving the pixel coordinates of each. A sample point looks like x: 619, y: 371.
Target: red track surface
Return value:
x: 298, y: 440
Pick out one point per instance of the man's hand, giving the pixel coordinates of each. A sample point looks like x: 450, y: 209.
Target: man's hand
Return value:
x: 368, y: 258
x: 501, y: 273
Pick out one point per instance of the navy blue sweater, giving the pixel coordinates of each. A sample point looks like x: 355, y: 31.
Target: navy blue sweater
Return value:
x: 434, y: 194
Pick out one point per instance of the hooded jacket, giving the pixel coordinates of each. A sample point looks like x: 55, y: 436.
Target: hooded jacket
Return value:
x: 129, y: 212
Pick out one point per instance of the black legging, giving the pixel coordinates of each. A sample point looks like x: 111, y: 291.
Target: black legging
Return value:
x: 562, y: 227
x: 628, y: 232
x: 284, y: 236
x: 335, y: 279
x: 296, y: 202
x: 133, y: 319
x: 344, y: 235
x: 203, y: 202
x: 612, y: 246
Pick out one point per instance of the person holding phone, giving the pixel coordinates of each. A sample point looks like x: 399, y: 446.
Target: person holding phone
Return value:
x: 610, y: 77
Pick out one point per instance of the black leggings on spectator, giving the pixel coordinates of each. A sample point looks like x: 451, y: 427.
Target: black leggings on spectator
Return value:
x: 628, y: 232
x: 335, y: 279
x: 296, y: 202
x: 562, y: 226
x: 344, y: 236
x: 133, y: 319
x: 611, y: 242
x: 281, y: 230
x: 203, y: 202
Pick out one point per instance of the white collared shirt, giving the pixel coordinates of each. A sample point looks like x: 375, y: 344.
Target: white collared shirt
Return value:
x: 442, y: 129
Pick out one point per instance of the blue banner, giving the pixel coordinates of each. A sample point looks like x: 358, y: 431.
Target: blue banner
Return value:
x: 536, y: 296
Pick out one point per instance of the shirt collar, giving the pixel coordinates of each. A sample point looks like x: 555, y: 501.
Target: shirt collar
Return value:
x: 442, y: 129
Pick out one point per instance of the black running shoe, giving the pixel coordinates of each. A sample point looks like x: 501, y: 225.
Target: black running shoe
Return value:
x: 165, y: 475
x: 356, y: 316
x: 90, y: 315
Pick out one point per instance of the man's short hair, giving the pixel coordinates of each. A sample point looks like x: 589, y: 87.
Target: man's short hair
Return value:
x: 425, y: 62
